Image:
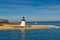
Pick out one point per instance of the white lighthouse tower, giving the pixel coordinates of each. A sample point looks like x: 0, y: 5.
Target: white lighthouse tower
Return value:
x: 23, y: 23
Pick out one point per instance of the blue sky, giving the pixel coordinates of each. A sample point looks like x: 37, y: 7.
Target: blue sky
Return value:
x: 33, y: 10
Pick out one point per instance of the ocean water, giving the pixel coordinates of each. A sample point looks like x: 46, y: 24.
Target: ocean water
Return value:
x: 56, y: 23
x: 43, y: 34
x: 36, y: 34
x: 10, y: 35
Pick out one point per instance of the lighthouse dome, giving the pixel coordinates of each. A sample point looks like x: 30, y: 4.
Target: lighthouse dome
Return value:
x: 23, y: 18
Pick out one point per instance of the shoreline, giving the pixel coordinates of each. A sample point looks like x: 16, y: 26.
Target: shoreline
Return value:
x: 28, y: 27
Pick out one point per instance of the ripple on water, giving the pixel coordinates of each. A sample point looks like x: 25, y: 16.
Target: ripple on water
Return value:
x: 38, y: 34
x: 43, y: 34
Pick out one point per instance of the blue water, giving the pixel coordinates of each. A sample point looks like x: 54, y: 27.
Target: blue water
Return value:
x: 56, y: 23
x: 10, y: 35
x: 43, y: 34
x: 37, y: 34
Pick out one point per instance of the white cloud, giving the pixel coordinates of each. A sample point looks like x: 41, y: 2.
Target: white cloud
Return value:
x: 48, y: 9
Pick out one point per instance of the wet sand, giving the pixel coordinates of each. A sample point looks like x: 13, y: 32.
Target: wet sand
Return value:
x: 17, y: 27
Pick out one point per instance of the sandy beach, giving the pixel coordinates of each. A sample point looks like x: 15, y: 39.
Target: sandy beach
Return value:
x: 17, y: 27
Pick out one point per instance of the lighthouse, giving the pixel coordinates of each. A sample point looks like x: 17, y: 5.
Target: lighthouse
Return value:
x: 23, y: 23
